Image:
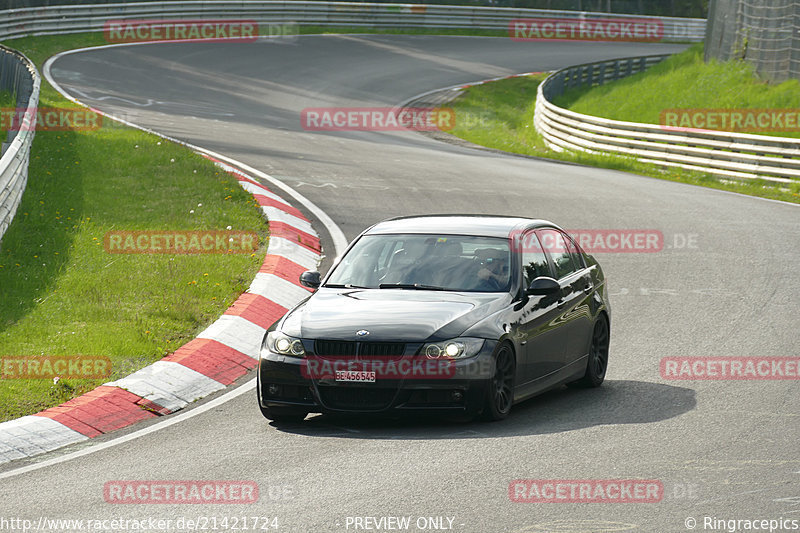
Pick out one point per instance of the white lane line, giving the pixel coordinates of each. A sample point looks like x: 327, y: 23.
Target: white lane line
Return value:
x: 173, y: 419
x: 339, y: 240
x: 339, y: 244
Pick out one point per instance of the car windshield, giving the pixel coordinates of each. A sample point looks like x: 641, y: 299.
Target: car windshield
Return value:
x: 425, y: 262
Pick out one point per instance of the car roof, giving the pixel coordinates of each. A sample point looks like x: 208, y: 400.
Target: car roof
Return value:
x: 484, y: 225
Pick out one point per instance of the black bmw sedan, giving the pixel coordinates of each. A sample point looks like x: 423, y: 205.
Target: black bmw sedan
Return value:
x: 465, y: 314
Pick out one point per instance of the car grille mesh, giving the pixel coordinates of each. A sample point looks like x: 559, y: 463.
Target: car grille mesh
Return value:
x: 334, y: 348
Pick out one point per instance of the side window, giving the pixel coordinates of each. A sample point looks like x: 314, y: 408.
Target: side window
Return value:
x: 555, y: 245
x: 577, y: 257
x: 534, y: 262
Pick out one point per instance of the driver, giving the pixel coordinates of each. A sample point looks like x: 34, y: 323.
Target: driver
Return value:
x: 494, y: 268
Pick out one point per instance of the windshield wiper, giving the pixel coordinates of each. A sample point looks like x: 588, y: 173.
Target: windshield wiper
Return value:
x: 416, y: 286
x: 345, y: 286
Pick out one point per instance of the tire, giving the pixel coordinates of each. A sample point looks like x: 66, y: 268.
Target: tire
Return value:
x: 500, y: 391
x: 597, y: 364
x: 283, y: 414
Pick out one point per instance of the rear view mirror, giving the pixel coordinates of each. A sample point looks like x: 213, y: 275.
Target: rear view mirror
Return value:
x: 543, y: 286
x: 310, y: 279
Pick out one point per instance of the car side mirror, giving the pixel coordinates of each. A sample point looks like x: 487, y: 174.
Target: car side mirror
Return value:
x: 310, y: 279
x: 543, y: 286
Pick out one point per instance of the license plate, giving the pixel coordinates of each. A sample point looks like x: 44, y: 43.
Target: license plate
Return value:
x: 359, y: 376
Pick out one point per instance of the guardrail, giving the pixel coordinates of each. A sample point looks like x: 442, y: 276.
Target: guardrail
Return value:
x: 80, y: 18
x: 19, y: 76
x: 721, y: 153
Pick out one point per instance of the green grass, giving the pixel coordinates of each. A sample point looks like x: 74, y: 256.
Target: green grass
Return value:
x: 684, y: 81
x: 500, y: 114
x: 63, y: 294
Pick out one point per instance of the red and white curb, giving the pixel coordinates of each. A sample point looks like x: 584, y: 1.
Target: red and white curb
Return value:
x: 225, y: 351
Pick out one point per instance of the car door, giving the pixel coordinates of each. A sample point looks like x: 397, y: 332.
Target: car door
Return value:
x: 542, y: 350
x: 574, y: 320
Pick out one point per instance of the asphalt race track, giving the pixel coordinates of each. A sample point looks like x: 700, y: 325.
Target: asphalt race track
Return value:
x: 725, y: 284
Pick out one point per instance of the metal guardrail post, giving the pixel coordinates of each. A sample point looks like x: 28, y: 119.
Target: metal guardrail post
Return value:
x: 61, y: 19
x: 75, y: 18
x: 20, y: 77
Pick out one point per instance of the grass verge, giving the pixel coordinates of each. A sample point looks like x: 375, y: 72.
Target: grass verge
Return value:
x: 62, y: 294
x: 499, y: 115
x: 684, y: 81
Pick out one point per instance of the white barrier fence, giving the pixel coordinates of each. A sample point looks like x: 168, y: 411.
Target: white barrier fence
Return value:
x: 80, y: 18
x: 736, y: 155
x: 19, y: 76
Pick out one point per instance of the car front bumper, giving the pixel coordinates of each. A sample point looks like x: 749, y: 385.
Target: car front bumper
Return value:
x: 410, y: 383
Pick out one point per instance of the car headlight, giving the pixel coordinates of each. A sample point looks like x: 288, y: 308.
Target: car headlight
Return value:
x: 453, y: 348
x: 283, y: 344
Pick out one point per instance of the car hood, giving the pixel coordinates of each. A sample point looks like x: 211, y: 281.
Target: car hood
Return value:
x: 390, y: 314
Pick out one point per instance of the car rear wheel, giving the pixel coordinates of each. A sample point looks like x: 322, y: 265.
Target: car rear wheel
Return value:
x: 500, y: 392
x: 283, y: 414
x: 597, y: 364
